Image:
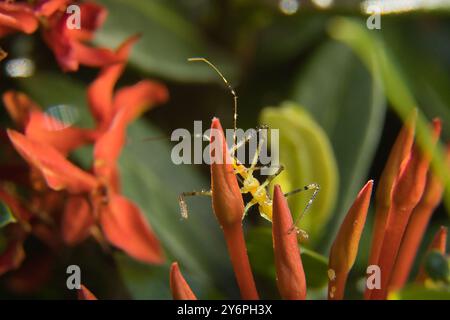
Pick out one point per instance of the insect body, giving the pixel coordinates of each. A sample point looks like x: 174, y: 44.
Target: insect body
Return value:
x: 249, y: 184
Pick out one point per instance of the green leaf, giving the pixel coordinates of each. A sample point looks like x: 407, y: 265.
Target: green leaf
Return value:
x: 372, y: 50
x: 436, y: 266
x: 150, y: 179
x: 307, y: 156
x: 348, y: 104
x: 415, y: 56
x: 168, y: 39
x: 6, y: 216
x: 259, y: 239
x: 415, y: 292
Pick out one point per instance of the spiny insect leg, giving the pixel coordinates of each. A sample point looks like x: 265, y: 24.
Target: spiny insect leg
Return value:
x: 182, y: 200
x: 246, y: 139
x: 312, y: 186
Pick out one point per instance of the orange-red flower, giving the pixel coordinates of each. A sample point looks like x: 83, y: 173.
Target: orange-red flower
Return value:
x: 416, y: 228
x: 345, y: 247
x: 93, y: 198
x: 407, y: 191
x: 399, y: 154
x: 289, y: 268
x: 178, y: 285
x: 228, y: 207
x: 68, y: 45
x: 85, y: 294
x: 17, y: 17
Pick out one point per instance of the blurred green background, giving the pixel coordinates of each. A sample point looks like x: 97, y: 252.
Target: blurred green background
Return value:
x: 355, y: 84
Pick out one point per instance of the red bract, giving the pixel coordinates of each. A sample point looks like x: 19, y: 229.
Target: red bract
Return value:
x: 290, y: 275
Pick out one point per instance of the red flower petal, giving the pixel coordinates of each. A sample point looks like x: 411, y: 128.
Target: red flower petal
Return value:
x: 288, y: 263
x: 68, y: 47
x: 139, y: 98
x: 17, y: 16
x: 85, y: 294
x: 125, y: 227
x: 58, y: 172
x: 19, y: 107
x: 93, y: 16
x: 93, y: 57
x: 77, y: 220
x: 178, y: 285
x: 109, y: 146
x: 45, y: 128
x: 100, y: 92
x: 46, y: 8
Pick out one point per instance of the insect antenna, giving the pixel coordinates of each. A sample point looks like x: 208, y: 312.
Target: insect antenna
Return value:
x: 233, y: 92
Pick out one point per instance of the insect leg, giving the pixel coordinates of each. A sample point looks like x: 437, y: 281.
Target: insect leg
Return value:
x: 312, y: 186
x: 248, y: 206
x: 272, y: 177
x: 182, y: 200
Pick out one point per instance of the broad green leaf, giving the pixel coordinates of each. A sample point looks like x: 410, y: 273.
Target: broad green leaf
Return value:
x: 415, y: 292
x: 372, y: 50
x: 302, y: 30
x: 415, y: 56
x: 168, y: 39
x: 151, y: 180
x: 6, y: 216
x: 259, y: 239
x: 307, y: 156
x: 348, y: 104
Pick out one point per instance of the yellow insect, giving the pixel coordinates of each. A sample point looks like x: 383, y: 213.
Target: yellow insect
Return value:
x: 249, y: 184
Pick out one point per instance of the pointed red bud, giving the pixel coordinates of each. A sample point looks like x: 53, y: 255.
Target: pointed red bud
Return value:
x: 345, y: 247
x: 289, y: 268
x: 178, y: 285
